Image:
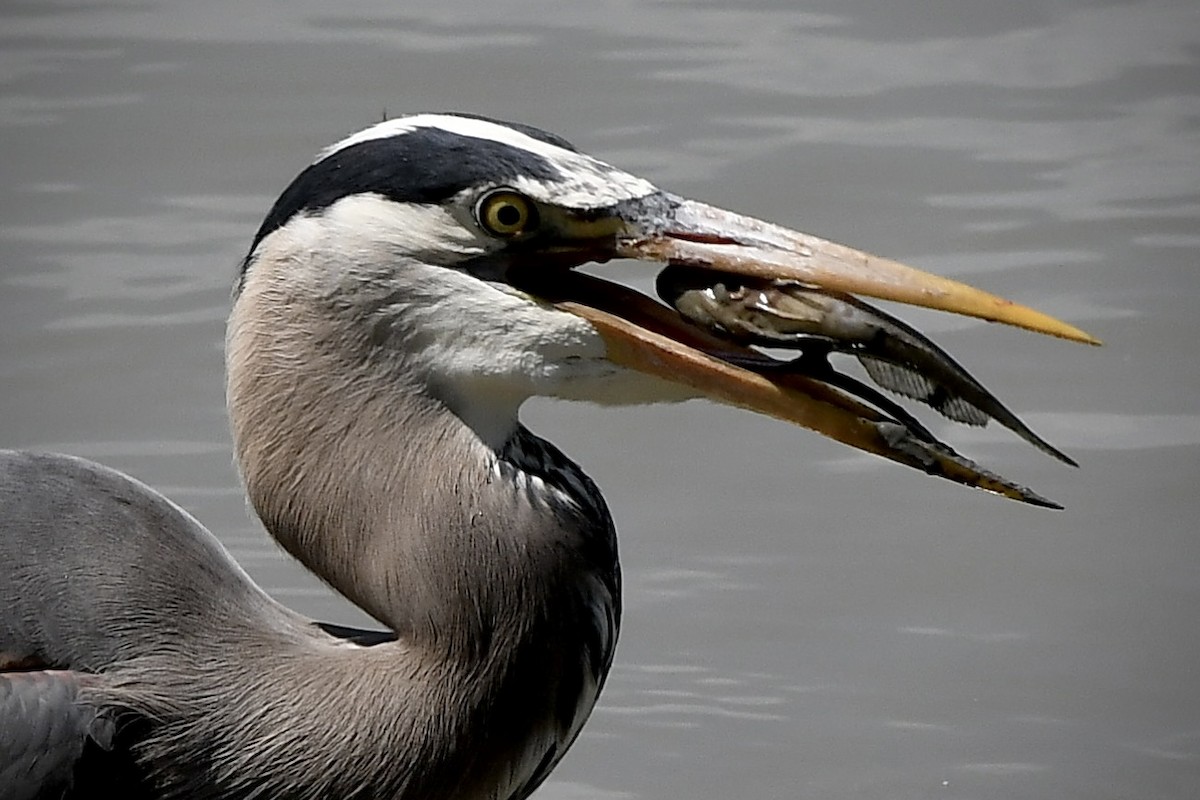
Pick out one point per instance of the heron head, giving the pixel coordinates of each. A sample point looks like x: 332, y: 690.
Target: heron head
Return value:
x: 448, y: 243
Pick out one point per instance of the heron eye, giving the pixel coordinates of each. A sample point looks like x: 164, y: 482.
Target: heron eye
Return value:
x: 506, y: 213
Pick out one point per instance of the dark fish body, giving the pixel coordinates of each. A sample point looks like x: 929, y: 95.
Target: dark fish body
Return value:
x: 789, y: 315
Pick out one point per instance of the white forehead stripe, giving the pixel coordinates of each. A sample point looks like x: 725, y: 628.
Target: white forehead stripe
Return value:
x: 586, y: 182
x: 463, y: 126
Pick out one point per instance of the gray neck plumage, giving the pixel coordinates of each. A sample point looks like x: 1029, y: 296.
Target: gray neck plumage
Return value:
x: 495, y: 565
x: 374, y: 484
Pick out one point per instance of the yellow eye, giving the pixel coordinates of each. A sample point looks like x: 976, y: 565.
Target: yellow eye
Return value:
x: 506, y: 213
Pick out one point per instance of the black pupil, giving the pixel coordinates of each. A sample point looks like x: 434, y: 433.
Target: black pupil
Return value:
x: 508, y: 215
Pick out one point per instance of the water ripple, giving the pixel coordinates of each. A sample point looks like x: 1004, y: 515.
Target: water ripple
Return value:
x: 1003, y: 768
x: 572, y: 790
x: 1099, y: 431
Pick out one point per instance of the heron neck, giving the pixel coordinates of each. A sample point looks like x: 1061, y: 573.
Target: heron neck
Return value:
x: 391, y: 499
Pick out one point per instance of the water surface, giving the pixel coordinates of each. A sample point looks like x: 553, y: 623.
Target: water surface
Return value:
x: 802, y: 621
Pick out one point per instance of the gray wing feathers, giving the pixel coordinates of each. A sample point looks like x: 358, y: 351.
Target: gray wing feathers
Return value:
x: 43, y: 732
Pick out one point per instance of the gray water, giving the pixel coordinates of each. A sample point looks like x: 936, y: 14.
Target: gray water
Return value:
x: 802, y: 621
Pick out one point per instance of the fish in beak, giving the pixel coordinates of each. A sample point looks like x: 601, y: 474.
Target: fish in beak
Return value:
x: 788, y: 315
x: 736, y: 284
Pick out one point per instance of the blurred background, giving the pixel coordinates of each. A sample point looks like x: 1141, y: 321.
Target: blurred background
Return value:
x: 801, y: 620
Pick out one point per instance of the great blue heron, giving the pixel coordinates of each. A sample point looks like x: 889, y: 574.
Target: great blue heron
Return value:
x: 406, y: 293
